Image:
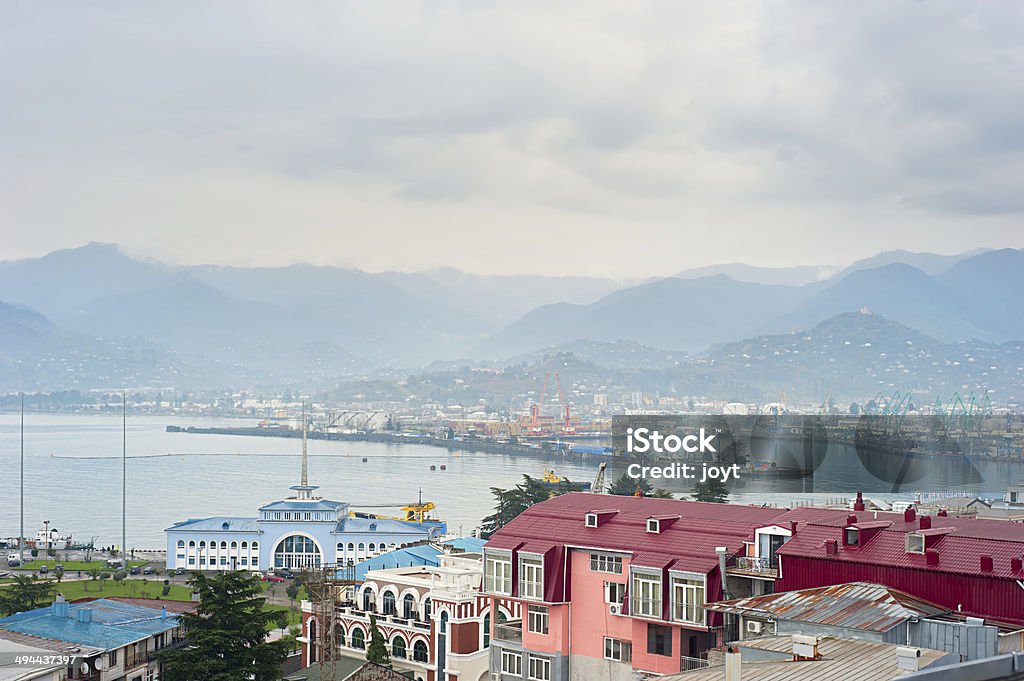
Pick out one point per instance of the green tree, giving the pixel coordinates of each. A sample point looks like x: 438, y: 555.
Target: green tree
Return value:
x: 25, y: 593
x: 509, y: 503
x: 625, y: 486
x: 292, y: 590
x: 377, y: 651
x: 711, y: 490
x: 227, y: 633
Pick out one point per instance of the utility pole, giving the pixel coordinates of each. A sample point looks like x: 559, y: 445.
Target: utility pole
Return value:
x: 21, y: 536
x: 124, y: 479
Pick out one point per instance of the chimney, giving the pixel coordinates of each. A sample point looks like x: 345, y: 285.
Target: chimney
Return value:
x: 792, y: 527
x: 931, y: 557
x: 851, y: 519
x: 831, y: 547
x: 908, y: 659
x: 926, y: 522
x: 84, y: 615
x: 986, y: 563
x: 943, y: 513
x: 1016, y: 564
x: 909, y: 514
x: 722, y: 552
x: 60, y: 607
x: 733, y: 664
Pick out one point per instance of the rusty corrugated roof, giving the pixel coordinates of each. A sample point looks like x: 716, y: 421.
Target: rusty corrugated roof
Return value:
x: 858, y: 605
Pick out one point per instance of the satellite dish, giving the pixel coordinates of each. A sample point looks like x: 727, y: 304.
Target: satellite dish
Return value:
x: 100, y: 664
x: 85, y: 668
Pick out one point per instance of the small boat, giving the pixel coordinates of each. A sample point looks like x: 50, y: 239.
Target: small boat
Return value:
x: 549, y: 479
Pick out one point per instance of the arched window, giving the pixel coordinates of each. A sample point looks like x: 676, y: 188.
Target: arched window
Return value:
x: 358, y: 639
x: 181, y: 543
x: 351, y: 548
x: 426, y: 608
x: 202, y: 546
x: 234, y: 546
x: 487, y: 630
x: 191, y: 544
x: 392, y: 547
x: 255, y: 546
x: 312, y: 637
x: 389, y: 603
x: 398, y: 648
x: 296, y: 551
x: 368, y: 600
x: 340, y: 548
x: 419, y: 652
x: 362, y: 549
x: 373, y: 547
x: 224, y: 546
x: 245, y: 545
x: 408, y: 607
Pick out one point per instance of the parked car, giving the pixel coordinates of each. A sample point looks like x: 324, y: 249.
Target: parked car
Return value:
x: 179, y: 571
x: 134, y: 570
x: 148, y: 571
x: 272, y: 578
x: 285, y: 574
x: 43, y: 569
x: 58, y: 568
x: 13, y: 562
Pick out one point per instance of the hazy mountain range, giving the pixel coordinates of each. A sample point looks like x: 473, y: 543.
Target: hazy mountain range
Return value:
x: 305, y: 323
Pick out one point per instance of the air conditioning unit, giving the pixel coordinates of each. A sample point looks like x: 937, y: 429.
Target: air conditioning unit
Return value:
x: 615, y: 608
x: 754, y: 627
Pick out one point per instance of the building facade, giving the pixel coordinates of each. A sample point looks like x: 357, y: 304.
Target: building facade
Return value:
x: 600, y: 586
x: 303, y: 530
x: 434, y: 619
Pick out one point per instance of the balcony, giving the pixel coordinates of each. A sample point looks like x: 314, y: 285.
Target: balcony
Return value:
x: 753, y: 567
x: 511, y: 631
x: 689, y: 613
x: 645, y: 607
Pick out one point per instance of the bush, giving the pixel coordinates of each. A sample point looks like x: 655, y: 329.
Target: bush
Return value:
x: 166, y: 590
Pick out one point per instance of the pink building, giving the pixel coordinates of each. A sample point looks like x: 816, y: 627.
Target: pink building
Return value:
x: 596, y: 586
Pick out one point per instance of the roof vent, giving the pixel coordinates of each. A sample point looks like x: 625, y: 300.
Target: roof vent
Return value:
x: 931, y: 557
x: 1016, y: 564
x: 926, y: 522
x: 831, y: 547
x: 909, y: 514
x: 225, y: 525
x: 84, y: 615
x: 986, y: 564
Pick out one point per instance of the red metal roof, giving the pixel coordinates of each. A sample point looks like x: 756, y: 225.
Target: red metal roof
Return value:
x: 688, y: 544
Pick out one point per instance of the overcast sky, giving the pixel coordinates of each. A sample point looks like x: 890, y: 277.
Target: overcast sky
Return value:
x: 623, y: 139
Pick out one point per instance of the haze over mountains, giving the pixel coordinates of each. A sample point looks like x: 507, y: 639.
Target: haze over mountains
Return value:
x: 277, y: 325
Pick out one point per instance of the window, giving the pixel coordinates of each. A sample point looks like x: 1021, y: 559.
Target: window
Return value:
x: 537, y: 619
x: 620, y: 651
x: 531, y: 577
x: 653, y: 525
x: 646, y: 598
x: 614, y: 592
x: 688, y: 596
x: 852, y: 536
x: 487, y: 630
x: 659, y: 640
x: 305, y: 516
x: 181, y: 543
x: 408, y: 607
x: 419, y: 652
x: 358, y: 639
x: 599, y: 562
x: 498, y: 575
x: 591, y: 520
x: 389, y: 603
x: 511, y: 663
x: 296, y: 551
x: 426, y: 608
x: 915, y: 543
x: 398, y: 648
x: 540, y: 668
x: 369, y: 600
x: 112, y: 658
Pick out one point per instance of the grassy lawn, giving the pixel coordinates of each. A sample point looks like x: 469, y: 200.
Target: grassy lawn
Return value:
x: 74, y: 565
x: 132, y: 588
x: 294, y: 615
x: 280, y: 587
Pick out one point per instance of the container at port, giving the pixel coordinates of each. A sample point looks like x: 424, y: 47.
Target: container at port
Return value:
x: 592, y: 449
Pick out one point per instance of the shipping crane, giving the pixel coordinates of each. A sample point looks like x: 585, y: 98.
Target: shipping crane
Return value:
x: 537, y: 406
x: 597, y: 487
x: 567, y: 414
